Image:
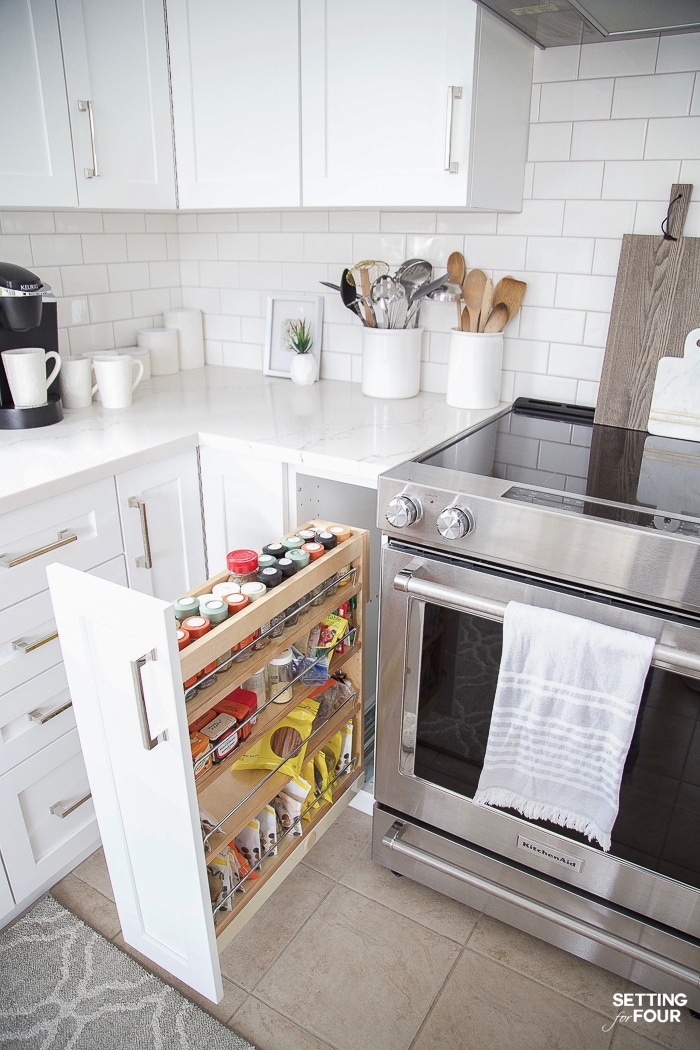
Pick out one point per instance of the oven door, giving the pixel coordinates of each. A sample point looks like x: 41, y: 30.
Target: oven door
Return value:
x: 439, y: 655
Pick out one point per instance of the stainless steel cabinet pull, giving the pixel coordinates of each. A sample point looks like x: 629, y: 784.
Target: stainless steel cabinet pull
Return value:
x: 392, y: 840
x: 149, y: 742
x: 42, y: 719
x: 85, y: 106
x: 7, y: 561
x: 453, y: 92
x: 19, y: 645
x: 62, y: 809
x: 144, y: 561
x: 666, y: 656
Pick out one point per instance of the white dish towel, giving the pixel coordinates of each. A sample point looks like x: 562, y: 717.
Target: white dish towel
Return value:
x: 566, y: 704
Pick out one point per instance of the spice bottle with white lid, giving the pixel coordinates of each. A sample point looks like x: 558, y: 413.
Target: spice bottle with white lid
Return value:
x: 280, y: 673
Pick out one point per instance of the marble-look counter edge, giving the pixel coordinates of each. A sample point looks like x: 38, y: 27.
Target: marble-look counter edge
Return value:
x: 330, y: 429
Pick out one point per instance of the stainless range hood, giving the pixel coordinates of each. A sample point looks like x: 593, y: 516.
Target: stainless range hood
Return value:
x: 592, y: 21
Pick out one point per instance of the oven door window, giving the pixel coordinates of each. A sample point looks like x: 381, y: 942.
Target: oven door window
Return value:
x: 658, y: 823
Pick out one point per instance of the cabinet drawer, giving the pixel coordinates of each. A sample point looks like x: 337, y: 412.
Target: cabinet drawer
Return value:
x: 79, y: 528
x: 48, y: 815
x: 28, y: 637
x: 34, y: 715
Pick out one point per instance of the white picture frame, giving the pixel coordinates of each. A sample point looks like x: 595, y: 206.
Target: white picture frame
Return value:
x: 281, y: 309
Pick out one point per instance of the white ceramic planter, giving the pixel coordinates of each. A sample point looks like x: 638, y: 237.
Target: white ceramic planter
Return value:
x: 302, y: 369
x: 391, y: 362
x: 474, y: 369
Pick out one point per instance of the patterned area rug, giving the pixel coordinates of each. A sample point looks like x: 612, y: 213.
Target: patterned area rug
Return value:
x: 62, y: 985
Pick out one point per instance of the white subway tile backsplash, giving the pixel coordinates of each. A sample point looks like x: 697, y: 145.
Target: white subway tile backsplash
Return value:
x: 146, y: 247
x: 197, y: 246
x: 559, y: 180
x: 213, y: 352
x: 189, y: 272
x: 695, y: 102
x: 302, y: 277
x: 104, y: 247
x: 606, y: 256
x: 17, y: 248
x: 205, y: 299
x: 587, y: 393
x: 632, y: 181
x: 618, y: 58
x: 465, y: 222
x: 556, y: 63
x: 537, y: 218
x: 112, y: 306
x: 151, y: 301
x: 84, y: 280
x: 162, y: 274
x: 241, y: 303
x: 73, y: 311
x: 546, y: 388
x: 582, y: 292
x: 609, y: 140
x: 79, y: 222
x: 550, y: 141
x: 673, y: 137
x: 504, y: 252
x: 541, y: 288
x: 85, y: 339
x: 215, y: 274
x: 124, y: 222
x: 391, y: 247
x: 595, y: 332
x: 575, y: 362
x: 566, y: 326
x: 240, y: 246
x: 242, y: 355
x: 354, y: 221
x: 336, y: 366
x: 663, y: 95
x: 557, y: 254
x: 56, y: 249
x: 215, y: 222
x: 408, y: 222
x: 125, y: 276
x: 253, y: 330
x: 576, y: 100
x: 222, y: 327
x: 259, y: 221
x: 678, y: 53
x: 286, y: 246
x: 125, y: 332
x: 598, y: 218
x: 305, y: 221
x: 161, y: 222
x: 28, y: 222
x: 525, y: 355
x: 335, y: 248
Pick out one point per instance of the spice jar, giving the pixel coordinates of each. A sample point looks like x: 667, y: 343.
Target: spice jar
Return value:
x: 280, y: 673
x: 185, y: 606
x: 242, y: 566
x: 272, y: 577
x: 291, y: 542
x: 265, y: 561
x: 275, y: 549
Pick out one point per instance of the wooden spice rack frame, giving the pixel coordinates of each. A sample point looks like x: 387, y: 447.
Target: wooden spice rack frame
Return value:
x: 234, y: 797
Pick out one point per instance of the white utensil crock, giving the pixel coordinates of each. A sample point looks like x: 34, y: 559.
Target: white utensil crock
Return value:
x: 391, y: 362
x: 474, y: 369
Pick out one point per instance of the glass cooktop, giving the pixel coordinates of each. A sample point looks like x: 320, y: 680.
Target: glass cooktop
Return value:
x: 556, y: 457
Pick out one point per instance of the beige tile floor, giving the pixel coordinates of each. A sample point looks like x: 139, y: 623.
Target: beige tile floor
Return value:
x: 346, y: 955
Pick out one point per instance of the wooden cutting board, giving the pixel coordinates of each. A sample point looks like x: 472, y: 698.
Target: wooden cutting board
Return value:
x: 656, y: 303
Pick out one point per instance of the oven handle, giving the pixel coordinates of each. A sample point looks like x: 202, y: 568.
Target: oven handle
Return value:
x: 665, y: 656
x: 392, y: 840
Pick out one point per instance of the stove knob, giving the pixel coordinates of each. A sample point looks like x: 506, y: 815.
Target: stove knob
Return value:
x: 402, y: 511
x: 454, y: 523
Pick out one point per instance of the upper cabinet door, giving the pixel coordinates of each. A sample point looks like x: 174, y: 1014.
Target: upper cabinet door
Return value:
x: 235, y: 88
x: 36, y: 160
x: 116, y: 70
x: 408, y: 104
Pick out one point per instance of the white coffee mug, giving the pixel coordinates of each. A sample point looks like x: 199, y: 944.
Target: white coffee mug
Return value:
x: 117, y: 378
x: 25, y: 368
x: 77, y: 386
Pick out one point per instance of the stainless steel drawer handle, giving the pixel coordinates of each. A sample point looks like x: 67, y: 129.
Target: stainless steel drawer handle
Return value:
x: 393, y: 841
x: 42, y: 719
x: 85, y: 106
x: 149, y: 742
x: 20, y: 645
x: 144, y: 561
x: 7, y: 561
x: 665, y: 656
x: 453, y: 93
x: 63, y: 809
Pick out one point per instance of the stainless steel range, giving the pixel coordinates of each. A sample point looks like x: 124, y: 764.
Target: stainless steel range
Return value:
x: 541, y: 507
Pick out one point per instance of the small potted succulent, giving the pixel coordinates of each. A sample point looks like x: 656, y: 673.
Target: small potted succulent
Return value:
x: 302, y: 368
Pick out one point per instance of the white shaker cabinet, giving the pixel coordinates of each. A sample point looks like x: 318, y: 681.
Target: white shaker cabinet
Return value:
x: 235, y: 93
x: 116, y: 71
x: 161, y: 517
x: 410, y: 104
x: 36, y: 159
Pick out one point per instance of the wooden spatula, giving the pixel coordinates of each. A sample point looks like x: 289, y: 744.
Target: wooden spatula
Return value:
x: 486, y: 302
x: 473, y: 291
x: 498, y: 319
x: 457, y: 270
x: 510, y: 292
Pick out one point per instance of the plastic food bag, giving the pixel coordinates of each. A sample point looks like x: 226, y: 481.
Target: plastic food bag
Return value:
x: 284, y: 747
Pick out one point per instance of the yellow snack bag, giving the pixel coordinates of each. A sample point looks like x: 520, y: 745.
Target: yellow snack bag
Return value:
x: 332, y: 752
x: 325, y: 789
x: 284, y: 747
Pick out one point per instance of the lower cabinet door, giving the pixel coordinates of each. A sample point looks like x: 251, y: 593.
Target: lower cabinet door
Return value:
x: 7, y: 901
x: 47, y: 814
x: 121, y: 658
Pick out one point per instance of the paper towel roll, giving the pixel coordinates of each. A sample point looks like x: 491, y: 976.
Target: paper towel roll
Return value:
x: 161, y: 344
x: 188, y: 323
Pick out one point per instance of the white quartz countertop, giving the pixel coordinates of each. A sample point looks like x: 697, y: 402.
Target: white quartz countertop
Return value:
x: 329, y: 429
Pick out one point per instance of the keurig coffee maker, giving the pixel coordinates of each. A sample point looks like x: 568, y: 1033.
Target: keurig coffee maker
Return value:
x: 27, y: 318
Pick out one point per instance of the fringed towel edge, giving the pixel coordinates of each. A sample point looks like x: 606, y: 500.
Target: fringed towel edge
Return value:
x: 543, y: 811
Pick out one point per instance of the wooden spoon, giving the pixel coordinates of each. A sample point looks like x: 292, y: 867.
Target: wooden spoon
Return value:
x: 486, y: 302
x: 510, y: 292
x: 473, y: 292
x: 457, y: 270
x: 498, y: 320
